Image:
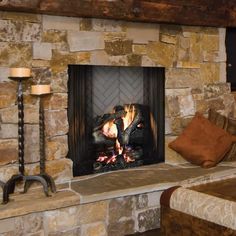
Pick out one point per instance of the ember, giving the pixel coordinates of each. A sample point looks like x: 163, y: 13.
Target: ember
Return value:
x: 118, y: 138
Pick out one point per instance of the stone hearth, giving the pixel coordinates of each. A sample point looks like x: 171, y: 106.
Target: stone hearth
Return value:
x: 115, y: 203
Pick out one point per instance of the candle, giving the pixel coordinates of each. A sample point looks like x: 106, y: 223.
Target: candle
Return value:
x: 20, y: 72
x: 40, y: 89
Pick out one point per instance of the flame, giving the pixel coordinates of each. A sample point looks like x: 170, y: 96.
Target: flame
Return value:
x: 110, y: 130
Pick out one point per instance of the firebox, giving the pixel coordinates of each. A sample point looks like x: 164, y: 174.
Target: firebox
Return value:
x: 116, y: 117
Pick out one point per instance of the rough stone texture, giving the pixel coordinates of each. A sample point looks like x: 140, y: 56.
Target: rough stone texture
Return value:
x: 61, y: 220
x: 118, y: 47
x: 56, y: 122
x: 153, y: 222
x: 86, y: 212
x: 56, y: 147
x: 120, y: 208
x: 194, y: 59
x: 88, y: 41
x: 9, y: 153
x: 60, y: 23
x: 161, y: 53
x: 96, y: 229
x: 142, y: 33
x: 42, y: 51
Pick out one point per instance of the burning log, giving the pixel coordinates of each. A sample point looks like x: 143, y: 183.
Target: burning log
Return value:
x: 118, y: 138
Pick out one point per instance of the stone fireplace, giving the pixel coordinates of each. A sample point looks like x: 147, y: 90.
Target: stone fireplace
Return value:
x: 194, y: 59
x: 116, y: 117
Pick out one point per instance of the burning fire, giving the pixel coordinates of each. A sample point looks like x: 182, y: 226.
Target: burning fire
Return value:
x: 110, y: 130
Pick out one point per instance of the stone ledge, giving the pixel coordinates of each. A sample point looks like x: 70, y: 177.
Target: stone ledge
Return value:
x: 93, y: 188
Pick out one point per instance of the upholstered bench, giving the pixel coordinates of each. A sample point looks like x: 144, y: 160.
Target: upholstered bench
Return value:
x: 208, y: 209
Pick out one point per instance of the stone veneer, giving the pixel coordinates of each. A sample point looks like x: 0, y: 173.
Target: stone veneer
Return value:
x: 194, y: 58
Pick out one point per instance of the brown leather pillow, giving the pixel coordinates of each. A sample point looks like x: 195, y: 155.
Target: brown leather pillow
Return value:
x: 202, y: 143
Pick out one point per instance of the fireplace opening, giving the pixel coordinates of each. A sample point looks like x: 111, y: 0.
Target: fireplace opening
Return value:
x: 116, y: 117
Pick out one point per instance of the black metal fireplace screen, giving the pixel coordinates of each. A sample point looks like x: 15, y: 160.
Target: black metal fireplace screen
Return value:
x: 116, y: 117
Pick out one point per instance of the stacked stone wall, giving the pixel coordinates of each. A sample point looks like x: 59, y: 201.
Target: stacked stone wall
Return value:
x: 194, y: 58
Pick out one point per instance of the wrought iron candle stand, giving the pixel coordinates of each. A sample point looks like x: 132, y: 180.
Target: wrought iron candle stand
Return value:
x: 41, y: 91
x: 9, y: 186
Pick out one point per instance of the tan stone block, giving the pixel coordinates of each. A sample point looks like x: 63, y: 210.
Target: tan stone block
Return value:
x: 229, y: 103
x: 142, y: 33
x: 201, y: 106
x: 56, y: 122
x: 9, y: 115
x: 154, y: 198
x: 139, y: 49
x: 118, y: 60
x: 40, y: 75
x: 121, y: 228
x: 210, y: 72
x: 104, y: 25
x: 216, y: 89
x: 31, y: 143
x: 195, y: 50
x: 54, y: 36
x: 85, y: 40
x: 171, y: 156
x: 27, y: 224
x: 61, y: 60
x: 8, y: 131
x: 56, y: 101
x: 59, y: 82
x: 170, y: 29
x: 60, y: 170
x: 178, y: 92
x: 96, y: 229
x: 188, y: 65
x: 42, y: 51
x: 60, y: 23
x: 40, y: 63
x: 146, y: 61
x: 7, y: 225
x: 216, y: 104
x: 6, y: 171
x: 86, y: 212
x: 161, y: 53
x: 168, y: 125
x: 141, y: 201
x: 113, y: 36
x: 20, y: 16
x: 4, y: 73
x: 31, y: 32
x: 118, y: 47
x: 184, y: 42
x: 186, y: 105
x: 99, y: 57
x: 9, y: 151
x: 182, y: 78
x: 8, y: 31
x: 148, y: 219
x: 119, y: 208
x: 71, y: 232
x: 172, y: 105
x: 62, y: 219
x: 166, y: 38
x: 85, y: 24
x: 15, y: 54
x: 210, y: 42
x: 56, y: 147
x: 134, y: 60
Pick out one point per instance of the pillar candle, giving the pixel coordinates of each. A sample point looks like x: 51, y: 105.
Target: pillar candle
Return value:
x: 40, y: 89
x: 20, y: 72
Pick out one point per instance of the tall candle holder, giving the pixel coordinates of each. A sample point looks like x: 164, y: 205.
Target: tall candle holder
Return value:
x: 18, y: 74
x: 41, y: 91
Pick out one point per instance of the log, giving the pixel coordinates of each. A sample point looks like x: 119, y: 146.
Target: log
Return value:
x: 220, y: 13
